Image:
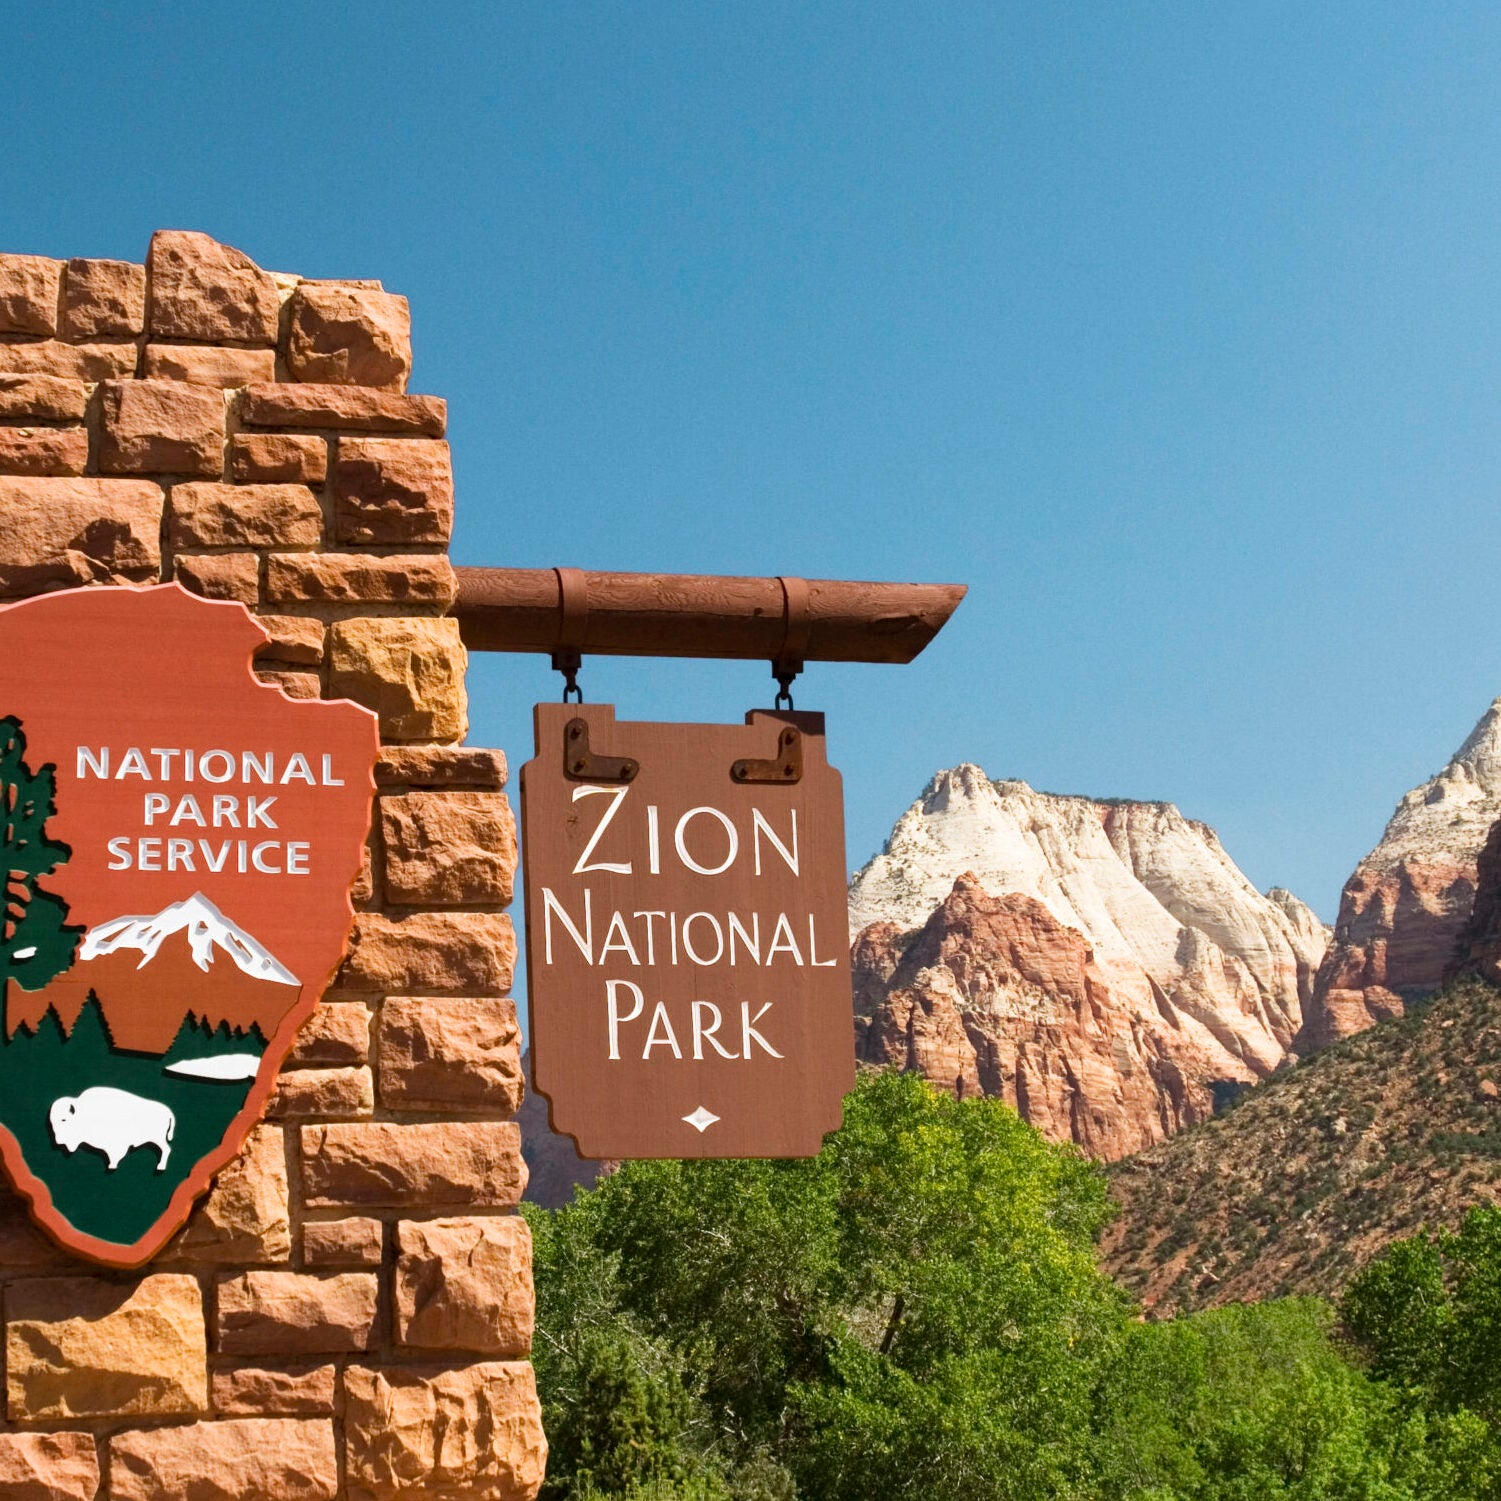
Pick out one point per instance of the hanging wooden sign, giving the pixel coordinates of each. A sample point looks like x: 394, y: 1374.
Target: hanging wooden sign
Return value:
x: 687, y: 959
x: 180, y: 841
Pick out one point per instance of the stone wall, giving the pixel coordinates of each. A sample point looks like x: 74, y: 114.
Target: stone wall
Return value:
x: 348, y: 1312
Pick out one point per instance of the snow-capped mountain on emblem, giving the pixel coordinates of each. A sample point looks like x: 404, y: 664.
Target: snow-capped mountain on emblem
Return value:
x: 201, y: 964
x: 207, y: 928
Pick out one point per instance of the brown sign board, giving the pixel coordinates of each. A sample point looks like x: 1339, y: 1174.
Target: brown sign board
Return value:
x: 687, y: 951
x: 179, y: 841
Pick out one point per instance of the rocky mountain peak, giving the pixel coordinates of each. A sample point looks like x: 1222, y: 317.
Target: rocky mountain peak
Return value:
x: 1124, y: 963
x: 1406, y: 905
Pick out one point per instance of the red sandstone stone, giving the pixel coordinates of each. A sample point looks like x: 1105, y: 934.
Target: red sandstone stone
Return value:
x: 410, y: 671
x: 355, y: 1241
x: 415, y: 1434
x: 463, y: 953
x: 294, y: 638
x: 392, y: 491
x: 61, y: 532
x: 229, y: 575
x: 42, y: 398
x: 105, y: 298
x: 43, y: 450
x: 440, y: 1164
x: 217, y: 515
x: 347, y: 408
x: 349, y: 336
x: 204, y: 291
x: 246, y: 1217
x: 209, y: 364
x: 278, y: 459
x: 465, y: 1284
x: 440, y: 766
x: 28, y: 294
x: 449, y: 1052
x: 231, y: 1459
x: 337, y: 1035
x: 323, y: 1091
x: 159, y: 426
x: 347, y: 578
x: 48, y: 1467
x: 448, y: 849
x: 87, y: 362
x: 293, y: 684
x: 293, y: 1313
x: 255, y: 1391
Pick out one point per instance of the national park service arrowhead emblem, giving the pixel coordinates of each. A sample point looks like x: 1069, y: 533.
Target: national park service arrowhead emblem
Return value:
x: 178, y: 841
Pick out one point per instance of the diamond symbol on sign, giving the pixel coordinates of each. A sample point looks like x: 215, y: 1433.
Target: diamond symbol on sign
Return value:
x: 701, y: 1119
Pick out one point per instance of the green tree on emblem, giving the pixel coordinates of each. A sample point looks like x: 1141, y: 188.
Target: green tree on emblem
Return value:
x: 36, y: 942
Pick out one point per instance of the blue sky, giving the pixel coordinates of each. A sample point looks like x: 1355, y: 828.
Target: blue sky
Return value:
x: 1170, y: 329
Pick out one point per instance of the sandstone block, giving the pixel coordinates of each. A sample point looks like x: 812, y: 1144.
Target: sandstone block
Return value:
x: 465, y: 1284
x: 355, y: 1241
x: 60, y: 532
x: 473, y: 1434
x: 253, y: 1391
x: 28, y: 294
x: 344, y: 408
x: 392, y: 491
x: 225, y: 575
x: 209, y: 364
x: 410, y: 671
x: 363, y: 890
x: 88, y: 362
x: 323, y: 1091
x: 448, y: 849
x: 442, y: 1052
x: 42, y: 398
x: 245, y: 1217
x: 463, y: 953
x: 159, y: 426
x: 216, y: 515
x: 204, y: 291
x: 347, y: 577
x: 336, y: 1035
x: 294, y: 638
x: 233, y: 1459
x: 44, y: 450
x: 440, y: 766
x: 374, y: 1164
x: 48, y: 1467
x: 349, y: 336
x: 278, y: 459
x: 292, y: 1313
x: 103, y: 298
x: 78, y: 1347
x: 293, y: 684
x: 21, y: 1243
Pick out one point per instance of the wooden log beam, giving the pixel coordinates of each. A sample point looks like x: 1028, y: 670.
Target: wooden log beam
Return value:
x: 698, y: 615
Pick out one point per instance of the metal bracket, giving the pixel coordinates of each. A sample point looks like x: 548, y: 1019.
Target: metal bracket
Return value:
x: 580, y: 764
x: 786, y: 767
x: 796, y: 625
x: 573, y: 621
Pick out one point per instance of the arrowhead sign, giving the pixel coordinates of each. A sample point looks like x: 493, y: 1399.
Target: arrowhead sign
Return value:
x: 180, y: 841
x: 687, y: 958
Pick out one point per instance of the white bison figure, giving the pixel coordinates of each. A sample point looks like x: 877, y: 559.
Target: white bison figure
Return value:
x: 112, y: 1121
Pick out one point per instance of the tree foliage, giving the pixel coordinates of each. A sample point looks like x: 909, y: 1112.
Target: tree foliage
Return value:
x: 917, y: 1312
x: 36, y: 942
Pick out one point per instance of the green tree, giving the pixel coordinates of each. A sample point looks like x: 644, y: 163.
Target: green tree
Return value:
x: 36, y: 941
x: 917, y: 1312
x: 1427, y: 1313
x: 914, y: 1311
